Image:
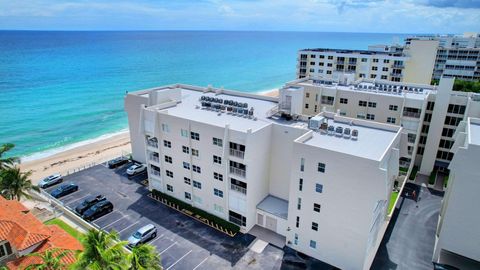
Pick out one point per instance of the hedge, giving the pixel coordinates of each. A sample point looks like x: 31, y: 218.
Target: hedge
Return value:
x: 413, y: 174
x: 433, y: 176
x: 212, y: 218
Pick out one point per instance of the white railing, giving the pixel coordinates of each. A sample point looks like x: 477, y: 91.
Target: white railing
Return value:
x: 237, y: 153
x: 238, y: 171
x: 152, y: 144
x: 411, y: 114
x: 238, y: 188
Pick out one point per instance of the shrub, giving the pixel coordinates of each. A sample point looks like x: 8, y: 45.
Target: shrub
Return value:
x: 445, y: 181
x: 433, y: 176
x: 413, y: 174
x: 183, y: 205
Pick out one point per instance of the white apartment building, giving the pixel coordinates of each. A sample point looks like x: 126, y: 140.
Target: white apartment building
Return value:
x: 428, y: 114
x: 411, y: 64
x: 458, y: 230
x: 232, y: 154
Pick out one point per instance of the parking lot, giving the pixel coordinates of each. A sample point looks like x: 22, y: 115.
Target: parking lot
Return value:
x: 182, y: 242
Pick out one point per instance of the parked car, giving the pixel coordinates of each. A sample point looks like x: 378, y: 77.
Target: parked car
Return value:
x: 89, y: 202
x: 117, y: 162
x: 142, y: 235
x: 136, y: 169
x: 64, y: 190
x: 99, y: 209
x: 50, y: 180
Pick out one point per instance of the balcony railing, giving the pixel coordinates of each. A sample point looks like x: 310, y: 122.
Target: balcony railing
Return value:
x: 154, y: 172
x: 152, y: 144
x: 235, y: 220
x: 237, y: 153
x: 238, y: 188
x: 154, y: 159
x: 412, y: 114
x: 398, y: 66
x: 238, y: 171
x: 396, y: 74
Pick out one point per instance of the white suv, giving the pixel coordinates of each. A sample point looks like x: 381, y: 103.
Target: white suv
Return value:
x: 50, y: 181
x: 142, y: 235
x: 136, y: 168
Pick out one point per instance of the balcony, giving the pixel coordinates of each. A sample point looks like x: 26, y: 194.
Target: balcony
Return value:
x: 154, y: 159
x: 237, y: 153
x: 411, y: 114
x: 398, y: 66
x: 238, y: 188
x: 155, y: 172
x: 396, y: 74
x: 238, y: 171
x: 152, y: 144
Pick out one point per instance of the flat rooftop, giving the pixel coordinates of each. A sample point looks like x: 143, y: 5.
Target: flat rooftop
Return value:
x: 371, y: 142
x: 275, y: 206
x: 475, y: 132
x: 382, y: 88
x: 346, y: 51
x: 191, y: 108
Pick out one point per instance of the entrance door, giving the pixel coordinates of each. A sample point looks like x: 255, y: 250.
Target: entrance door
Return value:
x: 260, y: 219
x: 271, y: 224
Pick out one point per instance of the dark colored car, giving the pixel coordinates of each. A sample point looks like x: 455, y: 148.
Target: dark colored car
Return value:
x: 64, y: 190
x: 89, y: 202
x: 99, y: 209
x: 117, y: 162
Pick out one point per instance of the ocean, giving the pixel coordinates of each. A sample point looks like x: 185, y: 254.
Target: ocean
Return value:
x: 59, y: 89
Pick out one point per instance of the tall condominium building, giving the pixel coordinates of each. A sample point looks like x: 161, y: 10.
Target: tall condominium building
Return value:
x: 458, y: 230
x: 234, y: 155
x: 412, y: 63
x: 428, y: 114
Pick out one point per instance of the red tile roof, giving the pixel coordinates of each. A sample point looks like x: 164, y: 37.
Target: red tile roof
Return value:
x: 23, y: 230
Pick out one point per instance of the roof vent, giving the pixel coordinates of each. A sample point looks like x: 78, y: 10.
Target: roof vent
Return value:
x: 339, y: 131
x: 354, y: 134
x: 331, y: 130
x: 346, y: 133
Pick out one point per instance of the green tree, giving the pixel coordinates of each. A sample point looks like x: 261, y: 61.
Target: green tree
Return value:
x: 51, y: 260
x: 102, y: 251
x: 15, y: 184
x: 144, y: 257
x: 6, y: 162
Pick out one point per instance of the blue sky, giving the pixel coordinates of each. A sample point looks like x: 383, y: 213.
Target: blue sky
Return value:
x: 386, y: 16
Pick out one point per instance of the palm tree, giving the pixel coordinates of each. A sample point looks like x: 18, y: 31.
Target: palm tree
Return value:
x: 6, y: 162
x: 102, y: 251
x: 144, y: 257
x: 16, y: 184
x: 51, y: 260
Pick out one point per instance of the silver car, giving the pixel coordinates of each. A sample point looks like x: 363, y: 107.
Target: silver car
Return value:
x: 142, y: 235
x: 50, y: 180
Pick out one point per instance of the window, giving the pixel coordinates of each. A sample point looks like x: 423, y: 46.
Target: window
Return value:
x: 384, y: 77
x: 322, y: 56
x: 425, y: 128
x: 458, y: 109
x: 169, y: 173
x: 448, y: 132
x: 313, y: 244
x: 321, y: 64
x: 430, y: 105
x: 327, y: 100
x: 218, y: 176
x: 195, y: 136
x: 330, y: 57
x: 386, y: 61
x: 321, y: 167
x: 420, y: 150
x: 343, y: 101
x: 297, y: 223
x: 217, y: 159
x: 362, y: 103
x: 299, y: 204
x: 445, y: 144
x: 168, y: 159
x: 314, y: 226
x: 302, y: 164
x: 423, y: 140
x: 364, y: 60
x: 167, y: 144
x: 312, y: 63
x: 360, y: 116
x: 196, y: 169
x: 5, y: 249
x: 428, y: 117
x: 197, y: 199
x: 184, y: 133
x: 374, y: 68
x: 300, y: 184
x: 218, y: 208
x: 187, y: 180
x: 217, y: 142
x: 411, y: 137
x: 295, y: 240
x: 186, y: 165
x: 307, y: 95
x: 316, y: 207
x: 375, y: 60
x: 452, y: 121
x: 373, y: 76
x: 218, y: 192
x: 185, y: 149
x: 444, y: 155
x: 329, y: 71
x: 370, y: 116
x: 318, y: 188
x: 237, y: 218
x: 391, y: 120
x: 315, y: 108
x: 169, y: 188
x: 372, y: 104
x: 188, y: 196
x: 385, y: 69
x: 197, y: 184
x: 306, y: 105
x: 194, y: 152
x: 312, y: 55
x: 165, y: 128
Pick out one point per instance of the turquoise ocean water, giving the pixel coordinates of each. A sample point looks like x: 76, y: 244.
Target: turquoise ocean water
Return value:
x: 62, y: 88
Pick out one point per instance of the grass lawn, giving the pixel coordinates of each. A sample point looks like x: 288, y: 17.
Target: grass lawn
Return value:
x: 393, y: 198
x: 65, y: 227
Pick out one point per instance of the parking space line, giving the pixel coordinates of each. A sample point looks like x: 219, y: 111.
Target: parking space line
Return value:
x: 204, y: 260
x: 128, y: 227
x: 156, y: 239
x: 96, y: 220
x: 178, y: 260
x: 174, y: 243
x: 66, y: 196
x: 115, y: 221
x: 76, y: 200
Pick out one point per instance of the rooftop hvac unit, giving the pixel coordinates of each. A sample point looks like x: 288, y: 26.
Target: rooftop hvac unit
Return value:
x: 339, y: 131
x: 346, y: 133
x: 313, y: 124
x: 354, y: 134
x: 331, y: 130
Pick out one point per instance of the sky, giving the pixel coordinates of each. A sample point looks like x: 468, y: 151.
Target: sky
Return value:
x: 381, y: 16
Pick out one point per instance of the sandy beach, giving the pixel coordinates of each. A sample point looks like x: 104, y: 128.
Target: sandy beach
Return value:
x: 86, y: 155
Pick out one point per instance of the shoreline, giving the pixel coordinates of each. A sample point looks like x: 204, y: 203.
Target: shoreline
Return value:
x: 69, y: 158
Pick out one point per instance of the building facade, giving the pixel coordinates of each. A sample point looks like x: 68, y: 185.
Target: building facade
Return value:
x: 236, y: 156
x: 458, y: 233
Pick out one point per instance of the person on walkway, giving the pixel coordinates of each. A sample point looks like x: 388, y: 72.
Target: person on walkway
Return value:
x: 414, y: 195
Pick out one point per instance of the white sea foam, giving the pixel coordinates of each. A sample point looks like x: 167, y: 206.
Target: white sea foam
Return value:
x: 53, y: 151
x: 263, y: 92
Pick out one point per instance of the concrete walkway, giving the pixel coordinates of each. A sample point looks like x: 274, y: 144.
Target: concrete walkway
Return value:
x: 268, y: 236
